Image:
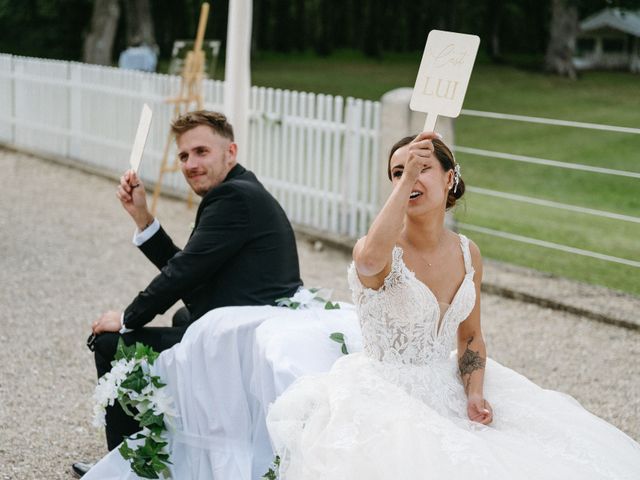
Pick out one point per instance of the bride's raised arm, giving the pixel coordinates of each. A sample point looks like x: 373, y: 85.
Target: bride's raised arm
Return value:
x: 472, y: 352
x: 372, y: 253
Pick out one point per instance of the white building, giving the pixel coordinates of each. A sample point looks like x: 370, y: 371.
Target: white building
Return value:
x: 609, y: 39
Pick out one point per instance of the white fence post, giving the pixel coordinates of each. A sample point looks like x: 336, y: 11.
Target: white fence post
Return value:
x: 75, y: 111
x: 7, y: 99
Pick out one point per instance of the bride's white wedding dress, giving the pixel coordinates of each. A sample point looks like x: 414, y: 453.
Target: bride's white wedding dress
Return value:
x: 398, y: 409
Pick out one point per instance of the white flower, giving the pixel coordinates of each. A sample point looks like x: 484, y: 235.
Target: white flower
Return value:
x: 133, y: 395
x: 145, y: 366
x: 162, y: 403
x: 106, y: 391
x: 121, y: 369
x: 304, y: 297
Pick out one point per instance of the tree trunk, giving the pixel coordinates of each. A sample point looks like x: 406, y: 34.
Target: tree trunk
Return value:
x: 98, y: 45
x: 372, y: 29
x: 300, y: 25
x: 562, y: 39
x: 494, y: 15
x: 139, y: 23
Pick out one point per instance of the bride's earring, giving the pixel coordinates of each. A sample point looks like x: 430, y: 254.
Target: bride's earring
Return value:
x: 456, y: 177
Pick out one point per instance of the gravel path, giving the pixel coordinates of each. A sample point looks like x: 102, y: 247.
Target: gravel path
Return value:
x: 67, y: 257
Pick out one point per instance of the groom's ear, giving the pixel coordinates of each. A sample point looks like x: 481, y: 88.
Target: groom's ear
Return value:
x: 232, y: 153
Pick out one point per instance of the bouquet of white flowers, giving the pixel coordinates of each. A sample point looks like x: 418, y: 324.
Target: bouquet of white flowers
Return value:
x: 141, y: 396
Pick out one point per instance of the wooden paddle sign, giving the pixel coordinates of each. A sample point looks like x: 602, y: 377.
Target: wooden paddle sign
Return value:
x: 444, y: 75
x: 141, y: 138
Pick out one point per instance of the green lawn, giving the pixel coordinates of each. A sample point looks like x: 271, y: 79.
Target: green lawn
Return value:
x: 609, y: 98
x: 598, y: 97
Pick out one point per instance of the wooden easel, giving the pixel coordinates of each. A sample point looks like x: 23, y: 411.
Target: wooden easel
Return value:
x: 190, y: 94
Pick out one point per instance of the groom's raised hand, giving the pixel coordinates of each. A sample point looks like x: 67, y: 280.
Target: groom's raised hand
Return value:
x: 133, y: 198
x: 108, y: 322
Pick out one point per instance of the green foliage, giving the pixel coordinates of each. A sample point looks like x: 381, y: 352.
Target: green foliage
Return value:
x: 272, y: 473
x: 136, y: 381
x: 56, y: 28
x: 44, y: 28
x: 331, y: 306
x: 148, y: 459
x: 149, y: 419
x: 339, y: 338
x: 138, y: 351
x: 328, y: 305
x: 157, y: 382
x: 287, y: 302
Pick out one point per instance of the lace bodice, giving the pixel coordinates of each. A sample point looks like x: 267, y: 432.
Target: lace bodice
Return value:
x: 401, y: 322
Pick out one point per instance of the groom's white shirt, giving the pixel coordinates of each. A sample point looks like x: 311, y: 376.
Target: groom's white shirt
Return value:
x: 139, y: 237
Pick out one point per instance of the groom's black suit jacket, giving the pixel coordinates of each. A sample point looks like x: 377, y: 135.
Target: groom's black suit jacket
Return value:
x: 242, y: 251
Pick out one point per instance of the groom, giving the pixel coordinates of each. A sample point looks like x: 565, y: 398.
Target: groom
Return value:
x: 242, y: 250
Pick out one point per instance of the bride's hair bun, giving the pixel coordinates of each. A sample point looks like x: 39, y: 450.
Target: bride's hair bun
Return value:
x: 444, y: 156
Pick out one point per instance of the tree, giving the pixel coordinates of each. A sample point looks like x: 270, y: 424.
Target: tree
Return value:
x: 98, y: 44
x: 51, y: 29
x: 139, y: 23
x: 562, y: 38
x: 494, y: 13
x: 373, y: 29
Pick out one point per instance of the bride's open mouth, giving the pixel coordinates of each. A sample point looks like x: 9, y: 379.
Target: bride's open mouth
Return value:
x: 415, y: 194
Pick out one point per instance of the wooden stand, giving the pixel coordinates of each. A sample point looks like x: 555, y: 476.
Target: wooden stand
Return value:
x: 190, y: 95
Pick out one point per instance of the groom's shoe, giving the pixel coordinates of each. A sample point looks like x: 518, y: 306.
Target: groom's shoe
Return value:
x: 80, y: 468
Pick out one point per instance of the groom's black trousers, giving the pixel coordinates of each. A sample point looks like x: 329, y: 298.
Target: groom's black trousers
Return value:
x: 119, y: 424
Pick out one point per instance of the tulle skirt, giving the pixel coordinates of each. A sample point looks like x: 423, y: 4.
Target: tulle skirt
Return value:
x: 369, y: 420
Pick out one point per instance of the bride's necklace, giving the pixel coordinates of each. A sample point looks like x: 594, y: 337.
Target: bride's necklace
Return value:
x: 425, y: 261
x: 428, y: 263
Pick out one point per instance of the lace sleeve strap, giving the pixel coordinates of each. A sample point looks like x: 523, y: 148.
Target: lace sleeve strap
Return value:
x: 395, y: 273
x: 354, y: 282
x: 466, y: 254
x: 391, y: 279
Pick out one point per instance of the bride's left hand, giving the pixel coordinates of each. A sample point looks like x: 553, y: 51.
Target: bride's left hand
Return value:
x: 479, y: 410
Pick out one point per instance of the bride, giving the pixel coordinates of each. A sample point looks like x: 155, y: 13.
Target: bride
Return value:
x: 406, y: 407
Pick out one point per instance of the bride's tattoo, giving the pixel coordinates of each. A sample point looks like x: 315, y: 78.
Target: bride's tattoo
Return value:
x: 468, y: 363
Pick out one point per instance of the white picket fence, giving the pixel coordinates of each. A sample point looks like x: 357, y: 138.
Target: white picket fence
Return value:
x: 317, y: 154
